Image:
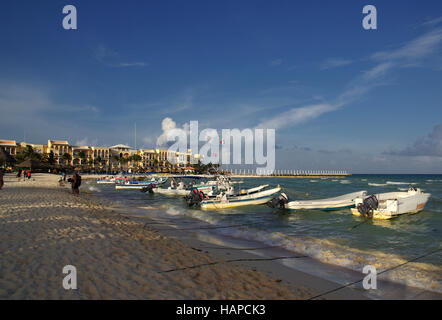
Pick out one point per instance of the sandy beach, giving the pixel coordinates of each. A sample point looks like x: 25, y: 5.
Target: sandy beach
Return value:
x: 43, y: 227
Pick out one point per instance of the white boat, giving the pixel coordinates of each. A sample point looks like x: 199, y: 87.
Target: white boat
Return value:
x: 337, y: 203
x: 138, y: 185
x: 106, y: 181
x: 391, y: 204
x: 223, y: 201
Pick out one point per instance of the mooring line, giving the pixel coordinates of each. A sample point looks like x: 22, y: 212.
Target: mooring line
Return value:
x: 245, y: 249
x: 211, y: 227
x: 232, y: 260
x: 386, y: 270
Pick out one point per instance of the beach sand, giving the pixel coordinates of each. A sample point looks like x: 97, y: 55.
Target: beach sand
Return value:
x: 43, y: 227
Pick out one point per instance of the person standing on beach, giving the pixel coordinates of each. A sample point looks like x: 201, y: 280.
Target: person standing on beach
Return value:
x: 24, y: 175
x: 76, y: 182
x: 19, y: 174
x: 1, y: 178
x: 29, y: 175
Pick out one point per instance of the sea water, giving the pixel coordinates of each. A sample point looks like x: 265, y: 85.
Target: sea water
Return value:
x: 332, y: 237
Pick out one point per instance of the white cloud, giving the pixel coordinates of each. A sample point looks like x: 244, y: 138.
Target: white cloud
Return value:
x: 86, y: 142
x: 415, y: 49
x: 296, y: 116
x: 168, y: 125
x: 275, y: 62
x: 385, y: 62
x: 334, y: 63
x: 112, y: 58
x: 432, y: 22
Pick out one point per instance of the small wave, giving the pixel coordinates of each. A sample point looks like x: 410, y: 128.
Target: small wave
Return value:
x: 399, y: 183
x: 93, y: 189
x: 313, y: 180
x: 345, y: 181
x: 416, y: 274
x: 377, y: 184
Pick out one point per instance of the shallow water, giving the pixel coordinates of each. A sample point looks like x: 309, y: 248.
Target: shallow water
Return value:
x: 335, y: 237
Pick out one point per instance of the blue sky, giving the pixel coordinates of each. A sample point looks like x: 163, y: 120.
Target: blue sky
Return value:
x: 339, y: 96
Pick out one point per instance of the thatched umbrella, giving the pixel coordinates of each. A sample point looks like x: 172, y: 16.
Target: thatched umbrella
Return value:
x: 31, y: 164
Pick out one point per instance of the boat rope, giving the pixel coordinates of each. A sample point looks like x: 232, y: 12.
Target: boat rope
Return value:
x: 357, y: 225
x: 212, y: 227
x: 232, y: 260
x: 386, y: 270
x: 241, y: 249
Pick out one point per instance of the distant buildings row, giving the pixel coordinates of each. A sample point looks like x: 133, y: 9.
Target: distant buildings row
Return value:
x: 103, y: 156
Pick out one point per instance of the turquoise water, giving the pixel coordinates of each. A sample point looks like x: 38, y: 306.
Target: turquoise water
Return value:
x: 335, y: 237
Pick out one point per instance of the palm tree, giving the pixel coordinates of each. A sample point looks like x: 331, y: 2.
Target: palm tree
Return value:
x: 51, y: 158
x: 66, y: 157
x: 156, y: 165
x: 28, y: 154
x: 82, y: 156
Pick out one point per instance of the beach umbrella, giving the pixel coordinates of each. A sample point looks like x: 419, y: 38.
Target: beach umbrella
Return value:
x: 31, y: 164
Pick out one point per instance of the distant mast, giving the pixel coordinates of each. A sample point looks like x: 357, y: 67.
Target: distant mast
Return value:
x: 135, y: 136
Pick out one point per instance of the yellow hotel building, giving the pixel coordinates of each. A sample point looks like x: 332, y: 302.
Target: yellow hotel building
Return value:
x: 67, y: 154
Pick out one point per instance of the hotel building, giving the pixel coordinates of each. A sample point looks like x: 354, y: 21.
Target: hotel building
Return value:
x: 104, y: 157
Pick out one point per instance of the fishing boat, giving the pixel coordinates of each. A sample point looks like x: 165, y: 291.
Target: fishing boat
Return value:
x: 137, y: 185
x: 105, y: 180
x: 336, y: 203
x: 209, y: 188
x: 254, y: 196
x: 390, y: 204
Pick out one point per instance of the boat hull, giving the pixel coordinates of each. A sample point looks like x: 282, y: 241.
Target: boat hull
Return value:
x: 235, y: 203
x: 331, y: 204
x: 394, y: 204
x: 258, y: 198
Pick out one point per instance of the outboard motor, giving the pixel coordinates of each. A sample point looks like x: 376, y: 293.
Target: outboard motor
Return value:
x: 194, y: 198
x: 148, y: 188
x: 367, y: 206
x: 279, y: 202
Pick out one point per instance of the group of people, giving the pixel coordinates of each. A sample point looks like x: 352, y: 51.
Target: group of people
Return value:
x: 26, y: 174
x: 75, y: 181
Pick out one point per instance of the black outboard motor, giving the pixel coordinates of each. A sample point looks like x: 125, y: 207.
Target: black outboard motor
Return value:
x: 368, y: 205
x: 194, y: 198
x: 279, y: 202
x: 148, y: 188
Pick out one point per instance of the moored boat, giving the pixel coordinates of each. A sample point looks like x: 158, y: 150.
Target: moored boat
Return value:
x: 257, y: 196
x: 391, y: 204
x: 336, y: 203
x: 140, y: 184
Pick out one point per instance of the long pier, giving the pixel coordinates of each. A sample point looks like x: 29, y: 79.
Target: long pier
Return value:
x: 292, y: 173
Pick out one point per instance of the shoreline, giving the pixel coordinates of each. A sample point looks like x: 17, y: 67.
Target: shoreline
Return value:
x: 120, y: 254
x: 271, y: 261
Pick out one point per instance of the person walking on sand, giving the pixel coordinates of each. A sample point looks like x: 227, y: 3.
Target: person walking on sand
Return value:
x: 24, y: 175
x: 29, y: 175
x: 1, y: 178
x: 19, y: 174
x: 76, y: 182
